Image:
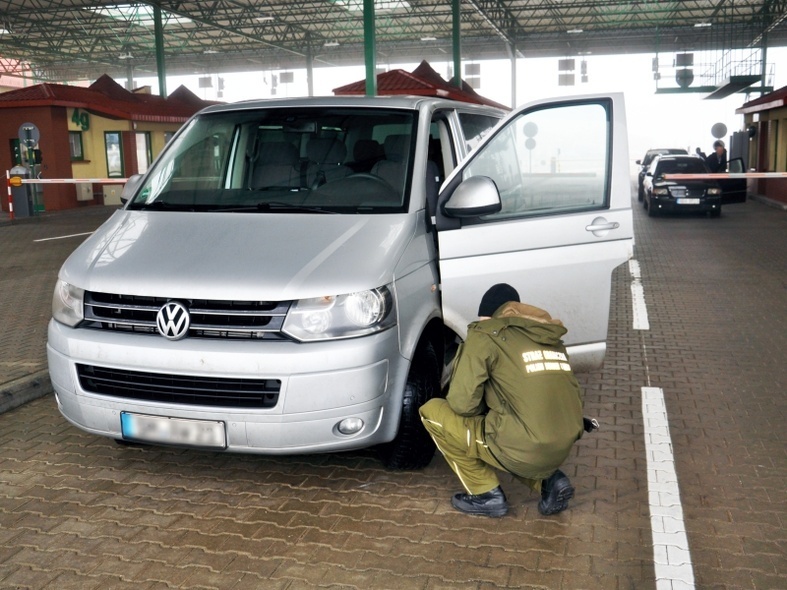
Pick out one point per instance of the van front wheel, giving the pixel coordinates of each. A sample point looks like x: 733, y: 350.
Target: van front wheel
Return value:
x: 413, y: 448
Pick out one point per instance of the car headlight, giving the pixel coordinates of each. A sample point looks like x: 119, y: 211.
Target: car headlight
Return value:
x: 341, y: 316
x: 714, y: 191
x: 661, y: 191
x: 67, y: 304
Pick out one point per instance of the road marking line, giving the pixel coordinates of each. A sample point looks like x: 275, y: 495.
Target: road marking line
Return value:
x: 639, y: 308
x: 64, y: 237
x: 671, y: 555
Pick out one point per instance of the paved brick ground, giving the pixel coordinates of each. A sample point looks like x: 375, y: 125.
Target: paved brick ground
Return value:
x: 717, y: 295
x: 80, y: 511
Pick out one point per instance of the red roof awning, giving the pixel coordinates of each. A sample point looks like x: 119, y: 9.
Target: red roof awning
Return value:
x: 105, y: 97
x: 774, y: 100
x: 422, y: 81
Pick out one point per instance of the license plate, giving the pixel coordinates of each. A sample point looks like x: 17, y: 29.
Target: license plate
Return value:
x: 688, y: 201
x: 173, y: 431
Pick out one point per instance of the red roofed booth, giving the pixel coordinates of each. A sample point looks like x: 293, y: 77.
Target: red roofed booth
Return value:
x: 100, y: 131
x: 768, y: 143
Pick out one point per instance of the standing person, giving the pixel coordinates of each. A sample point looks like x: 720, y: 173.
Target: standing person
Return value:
x: 717, y: 161
x: 513, y: 405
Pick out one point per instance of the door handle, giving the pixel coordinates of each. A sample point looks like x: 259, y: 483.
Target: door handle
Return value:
x: 602, y: 226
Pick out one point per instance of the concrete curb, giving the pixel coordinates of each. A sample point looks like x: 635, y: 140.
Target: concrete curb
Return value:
x: 25, y: 389
x: 770, y: 202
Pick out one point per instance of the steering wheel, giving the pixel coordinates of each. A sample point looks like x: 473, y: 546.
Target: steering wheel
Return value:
x: 354, y: 190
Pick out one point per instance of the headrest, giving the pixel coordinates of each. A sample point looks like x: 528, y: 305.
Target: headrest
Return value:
x: 367, y: 149
x: 280, y: 153
x: 396, y: 146
x: 326, y: 150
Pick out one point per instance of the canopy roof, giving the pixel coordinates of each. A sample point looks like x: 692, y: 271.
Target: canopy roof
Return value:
x: 66, y: 40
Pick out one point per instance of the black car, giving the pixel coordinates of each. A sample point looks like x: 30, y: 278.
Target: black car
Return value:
x: 645, y: 163
x: 680, y: 195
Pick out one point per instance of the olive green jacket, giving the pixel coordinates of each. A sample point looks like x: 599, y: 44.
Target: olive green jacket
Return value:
x: 514, y: 368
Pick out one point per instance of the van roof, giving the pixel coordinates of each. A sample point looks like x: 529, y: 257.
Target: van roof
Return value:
x: 402, y: 102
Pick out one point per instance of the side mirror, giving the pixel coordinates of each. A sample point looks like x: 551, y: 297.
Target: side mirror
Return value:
x: 478, y: 195
x: 131, y: 186
x: 638, y: 162
x: 649, y: 174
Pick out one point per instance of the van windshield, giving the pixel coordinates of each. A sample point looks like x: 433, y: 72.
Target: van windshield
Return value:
x: 333, y: 160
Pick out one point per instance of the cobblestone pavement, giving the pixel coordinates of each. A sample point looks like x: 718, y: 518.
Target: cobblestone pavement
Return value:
x: 79, y: 511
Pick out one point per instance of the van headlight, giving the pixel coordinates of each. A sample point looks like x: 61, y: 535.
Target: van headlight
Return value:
x: 714, y: 191
x: 341, y: 316
x: 67, y: 304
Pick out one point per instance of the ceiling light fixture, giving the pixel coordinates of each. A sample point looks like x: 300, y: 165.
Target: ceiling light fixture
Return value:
x: 126, y: 56
x: 331, y: 44
x: 264, y: 19
x: 574, y: 31
x: 701, y: 25
x: 428, y: 38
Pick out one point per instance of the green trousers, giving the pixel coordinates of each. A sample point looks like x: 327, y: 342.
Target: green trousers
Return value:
x: 461, y: 441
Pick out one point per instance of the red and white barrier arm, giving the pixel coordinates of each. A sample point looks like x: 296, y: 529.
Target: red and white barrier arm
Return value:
x: 67, y: 180
x: 10, y: 196
x: 725, y: 175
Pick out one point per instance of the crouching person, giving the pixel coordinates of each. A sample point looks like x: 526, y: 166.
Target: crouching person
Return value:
x: 513, y: 405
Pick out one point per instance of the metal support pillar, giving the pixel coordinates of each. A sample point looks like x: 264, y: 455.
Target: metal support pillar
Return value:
x: 129, y: 75
x: 764, y: 64
x: 512, y: 55
x: 158, y: 32
x: 456, y: 38
x: 309, y: 65
x: 369, y: 47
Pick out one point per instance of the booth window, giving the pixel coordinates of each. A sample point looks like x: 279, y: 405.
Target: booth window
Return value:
x: 144, y: 153
x: 75, y: 146
x: 114, y: 151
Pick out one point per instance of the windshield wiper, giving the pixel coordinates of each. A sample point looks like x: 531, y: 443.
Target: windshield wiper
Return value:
x: 280, y: 207
x: 272, y: 207
x: 159, y: 206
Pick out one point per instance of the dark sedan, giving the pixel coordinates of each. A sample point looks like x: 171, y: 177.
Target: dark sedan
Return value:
x: 645, y: 163
x: 680, y: 195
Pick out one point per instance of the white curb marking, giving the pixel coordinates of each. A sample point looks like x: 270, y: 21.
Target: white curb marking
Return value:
x: 671, y: 556
x: 638, y: 298
x: 64, y: 237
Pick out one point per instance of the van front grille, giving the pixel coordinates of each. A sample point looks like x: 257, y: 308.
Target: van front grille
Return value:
x: 260, y: 320
x: 180, y: 389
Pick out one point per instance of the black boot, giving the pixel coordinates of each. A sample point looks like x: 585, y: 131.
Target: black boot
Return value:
x: 555, y: 493
x: 492, y: 503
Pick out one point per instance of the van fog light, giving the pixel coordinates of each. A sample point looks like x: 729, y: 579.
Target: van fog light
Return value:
x: 350, y: 425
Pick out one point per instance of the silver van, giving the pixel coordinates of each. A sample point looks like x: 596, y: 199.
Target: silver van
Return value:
x: 293, y: 276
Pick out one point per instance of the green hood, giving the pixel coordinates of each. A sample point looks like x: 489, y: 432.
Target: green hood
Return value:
x: 536, y: 323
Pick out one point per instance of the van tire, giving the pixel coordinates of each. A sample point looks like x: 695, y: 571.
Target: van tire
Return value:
x: 413, y: 448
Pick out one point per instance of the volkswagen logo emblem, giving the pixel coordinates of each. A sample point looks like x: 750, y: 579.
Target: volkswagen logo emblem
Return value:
x: 173, y: 320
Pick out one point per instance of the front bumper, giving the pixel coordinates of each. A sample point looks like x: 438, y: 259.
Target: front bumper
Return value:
x: 671, y: 204
x: 321, y: 384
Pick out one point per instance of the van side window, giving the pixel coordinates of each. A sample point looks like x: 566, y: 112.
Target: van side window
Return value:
x: 549, y: 161
x: 475, y: 127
